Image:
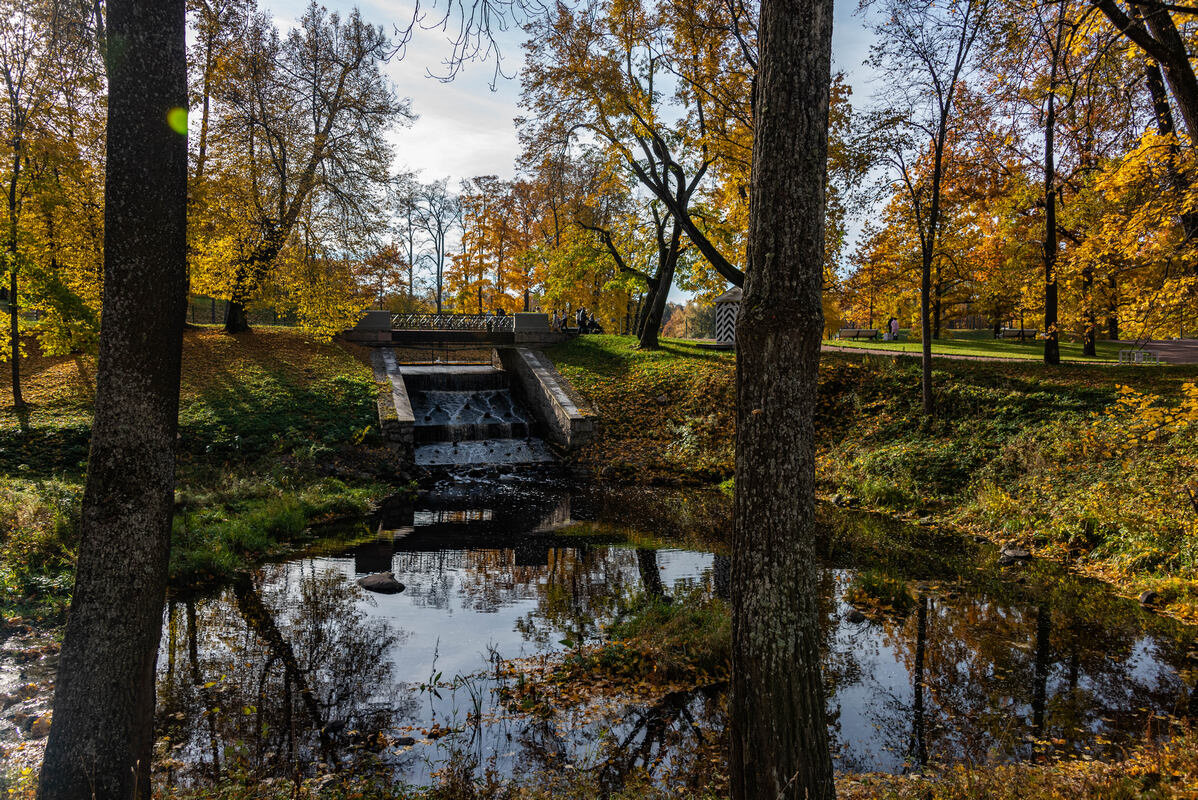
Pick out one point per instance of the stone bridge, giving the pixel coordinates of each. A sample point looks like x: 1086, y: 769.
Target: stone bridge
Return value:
x: 382, y: 328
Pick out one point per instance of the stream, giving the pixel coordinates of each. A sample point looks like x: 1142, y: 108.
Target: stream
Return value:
x: 297, y: 666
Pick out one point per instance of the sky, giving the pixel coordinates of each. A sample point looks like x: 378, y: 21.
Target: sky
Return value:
x: 465, y: 127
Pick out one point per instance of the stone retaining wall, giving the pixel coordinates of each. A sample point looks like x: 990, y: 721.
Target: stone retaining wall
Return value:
x: 543, y: 388
x: 395, y: 410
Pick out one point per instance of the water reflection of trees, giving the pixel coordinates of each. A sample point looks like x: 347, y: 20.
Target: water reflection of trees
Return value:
x: 991, y: 677
x: 275, y: 673
x: 278, y: 672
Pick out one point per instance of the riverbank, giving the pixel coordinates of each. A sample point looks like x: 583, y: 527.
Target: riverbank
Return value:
x: 1058, y: 460
x: 1161, y: 772
x: 276, y: 436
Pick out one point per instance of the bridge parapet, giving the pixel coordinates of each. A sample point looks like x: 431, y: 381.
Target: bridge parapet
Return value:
x: 385, y: 328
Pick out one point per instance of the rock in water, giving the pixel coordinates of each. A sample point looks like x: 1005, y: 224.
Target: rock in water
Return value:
x: 40, y: 728
x: 1012, y: 553
x: 381, y: 582
x: 854, y: 616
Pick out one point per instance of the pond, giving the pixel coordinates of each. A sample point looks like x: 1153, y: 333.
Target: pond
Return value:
x: 941, y: 656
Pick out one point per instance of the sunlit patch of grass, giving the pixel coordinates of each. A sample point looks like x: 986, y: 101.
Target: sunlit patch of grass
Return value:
x: 982, y: 344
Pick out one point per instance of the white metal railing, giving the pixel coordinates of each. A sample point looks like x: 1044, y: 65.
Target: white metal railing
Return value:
x: 490, y: 323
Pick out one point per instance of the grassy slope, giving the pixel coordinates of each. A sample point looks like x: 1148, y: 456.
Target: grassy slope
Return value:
x: 274, y: 429
x: 983, y: 344
x: 663, y: 415
x: 1003, y: 458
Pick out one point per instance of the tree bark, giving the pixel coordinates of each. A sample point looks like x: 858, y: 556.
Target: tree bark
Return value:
x: 1090, y: 334
x: 655, y: 311
x: 779, y: 732
x: 103, y: 730
x: 1112, y: 319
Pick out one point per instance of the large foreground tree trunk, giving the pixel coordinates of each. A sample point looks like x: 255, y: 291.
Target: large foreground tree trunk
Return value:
x: 779, y: 733
x: 103, y: 730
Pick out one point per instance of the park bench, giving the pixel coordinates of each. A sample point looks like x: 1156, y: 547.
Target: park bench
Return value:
x: 1138, y: 357
x: 857, y: 333
x: 1016, y: 333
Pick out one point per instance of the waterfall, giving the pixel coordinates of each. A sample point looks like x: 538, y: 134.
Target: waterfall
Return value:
x: 467, y: 415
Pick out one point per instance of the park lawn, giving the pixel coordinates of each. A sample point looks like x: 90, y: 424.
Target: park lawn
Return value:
x: 982, y: 344
x: 1018, y: 451
x: 276, y: 435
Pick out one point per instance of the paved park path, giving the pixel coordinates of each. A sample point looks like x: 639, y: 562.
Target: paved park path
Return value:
x: 1173, y: 351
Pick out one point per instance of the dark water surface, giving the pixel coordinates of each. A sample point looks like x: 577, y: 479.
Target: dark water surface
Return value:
x: 298, y: 665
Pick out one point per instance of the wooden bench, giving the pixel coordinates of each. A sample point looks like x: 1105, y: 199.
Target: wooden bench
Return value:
x: 1016, y: 333
x: 857, y: 333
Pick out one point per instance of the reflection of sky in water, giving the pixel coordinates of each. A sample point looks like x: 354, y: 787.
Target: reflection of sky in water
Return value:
x: 438, y: 617
x: 497, y: 577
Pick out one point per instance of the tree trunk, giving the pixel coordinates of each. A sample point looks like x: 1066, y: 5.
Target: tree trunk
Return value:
x: 655, y: 311
x: 236, y: 320
x: 650, y: 326
x: 1179, y: 70
x: 101, y: 741
x: 14, y: 336
x: 937, y: 308
x: 1112, y: 319
x: 925, y: 335
x: 1090, y: 334
x: 779, y: 732
x: 1052, y: 350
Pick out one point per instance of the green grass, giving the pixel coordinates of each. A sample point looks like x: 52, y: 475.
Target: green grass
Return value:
x: 983, y: 344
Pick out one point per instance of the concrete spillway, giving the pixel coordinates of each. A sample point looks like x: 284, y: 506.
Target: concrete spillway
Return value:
x: 467, y: 415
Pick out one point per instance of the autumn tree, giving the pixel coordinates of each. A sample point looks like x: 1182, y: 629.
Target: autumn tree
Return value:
x: 928, y: 50
x: 302, y: 134
x: 598, y: 71
x: 39, y: 47
x: 102, y: 735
